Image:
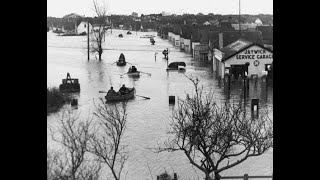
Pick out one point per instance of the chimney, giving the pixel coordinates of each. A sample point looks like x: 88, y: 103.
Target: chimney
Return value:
x: 220, y: 40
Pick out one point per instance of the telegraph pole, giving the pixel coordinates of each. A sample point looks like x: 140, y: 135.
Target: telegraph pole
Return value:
x: 239, y: 20
x: 88, y: 39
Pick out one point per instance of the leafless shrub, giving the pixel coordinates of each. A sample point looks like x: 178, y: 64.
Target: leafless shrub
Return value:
x: 73, y: 161
x: 208, y: 133
x: 105, y: 142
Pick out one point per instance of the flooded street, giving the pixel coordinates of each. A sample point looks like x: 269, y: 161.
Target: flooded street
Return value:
x: 148, y: 120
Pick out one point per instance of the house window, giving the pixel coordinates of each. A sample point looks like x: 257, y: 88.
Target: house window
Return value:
x: 84, y: 25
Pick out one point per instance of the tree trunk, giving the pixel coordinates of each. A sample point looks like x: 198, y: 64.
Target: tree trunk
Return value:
x: 217, y: 176
x: 208, y: 177
x: 100, y: 56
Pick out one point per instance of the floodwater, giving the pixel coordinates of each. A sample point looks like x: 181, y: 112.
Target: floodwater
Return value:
x: 148, y: 120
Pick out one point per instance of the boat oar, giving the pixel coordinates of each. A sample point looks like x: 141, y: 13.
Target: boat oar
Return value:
x: 143, y: 97
x: 103, y: 92
x: 130, y: 63
x: 122, y: 74
x: 114, y: 62
x: 146, y: 73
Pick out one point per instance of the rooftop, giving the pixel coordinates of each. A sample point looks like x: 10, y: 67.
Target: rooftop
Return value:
x: 238, y: 46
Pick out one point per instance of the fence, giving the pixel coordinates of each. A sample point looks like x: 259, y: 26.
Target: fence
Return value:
x: 244, y: 177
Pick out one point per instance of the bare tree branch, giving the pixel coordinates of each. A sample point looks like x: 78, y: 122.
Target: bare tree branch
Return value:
x: 105, y: 142
x: 73, y: 161
x: 208, y: 134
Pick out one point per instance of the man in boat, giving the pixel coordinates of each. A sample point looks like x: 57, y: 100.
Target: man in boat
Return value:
x: 133, y: 69
x: 122, y: 57
x: 111, y: 91
x: 123, y: 89
x: 68, y: 76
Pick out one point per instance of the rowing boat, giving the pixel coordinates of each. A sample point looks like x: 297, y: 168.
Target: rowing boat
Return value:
x: 121, y: 62
x: 117, y: 97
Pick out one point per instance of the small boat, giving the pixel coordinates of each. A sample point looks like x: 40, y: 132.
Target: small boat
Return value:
x: 69, y: 85
x: 176, y: 66
x: 129, y: 95
x: 133, y: 72
x: 120, y: 35
x: 129, y: 32
x: 121, y: 62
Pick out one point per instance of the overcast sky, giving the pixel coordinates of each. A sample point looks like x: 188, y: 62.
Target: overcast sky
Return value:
x: 59, y: 8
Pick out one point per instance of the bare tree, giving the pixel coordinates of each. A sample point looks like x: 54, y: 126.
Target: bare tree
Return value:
x: 209, y: 134
x: 73, y: 162
x: 106, y: 141
x: 98, y: 28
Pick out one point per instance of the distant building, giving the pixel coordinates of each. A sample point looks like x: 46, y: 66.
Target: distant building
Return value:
x: 69, y: 27
x: 207, y: 23
x: 134, y: 14
x: 83, y: 27
x: 165, y: 13
x: 245, y: 26
x: 258, y: 22
x: 72, y: 17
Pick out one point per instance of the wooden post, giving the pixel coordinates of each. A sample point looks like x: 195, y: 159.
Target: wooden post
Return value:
x: 245, y: 177
x: 88, y: 40
x: 244, y: 87
x: 254, y: 111
x: 158, y: 177
x: 171, y: 99
x: 229, y: 83
x: 175, y: 176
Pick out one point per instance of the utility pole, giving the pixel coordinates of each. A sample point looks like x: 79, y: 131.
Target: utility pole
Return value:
x: 239, y: 20
x: 88, y: 39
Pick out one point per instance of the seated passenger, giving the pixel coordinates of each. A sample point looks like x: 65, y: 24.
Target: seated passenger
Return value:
x: 134, y: 69
x: 122, y: 57
x: 123, y: 89
x: 111, y: 91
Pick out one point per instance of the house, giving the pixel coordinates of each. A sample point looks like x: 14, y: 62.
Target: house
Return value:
x: 134, y: 14
x: 232, y: 59
x: 227, y: 37
x: 226, y: 25
x: 219, y: 39
x: 69, y: 27
x: 83, y: 27
x: 207, y: 23
x: 253, y: 20
x: 185, y: 35
x: 245, y: 26
x: 72, y: 17
x: 165, y: 13
x: 202, y: 49
x: 195, y: 39
x: 258, y: 22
